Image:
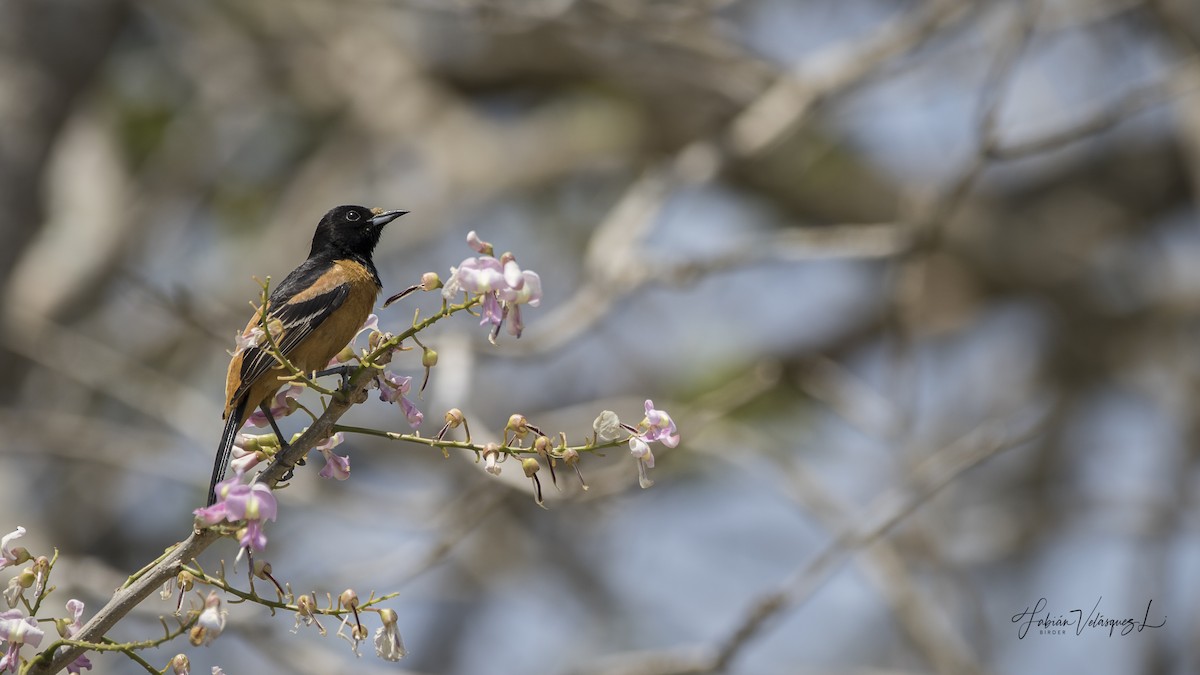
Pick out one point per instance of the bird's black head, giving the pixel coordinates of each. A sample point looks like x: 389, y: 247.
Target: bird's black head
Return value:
x: 351, y: 231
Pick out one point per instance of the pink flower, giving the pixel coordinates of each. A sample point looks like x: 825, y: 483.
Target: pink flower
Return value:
x: 392, y: 389
x: 337, y: 466
x: 502, y: 283
x: 492, y: 312
x: 16, y: 630
x: 238, y: 502
x: 75, y: 607
x: 480, y: 275
x: 662, y: 427
x: 244, y: 456
x: 285, y: 404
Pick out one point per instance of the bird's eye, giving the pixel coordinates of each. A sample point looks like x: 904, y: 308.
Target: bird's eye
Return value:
x: 353, y: 215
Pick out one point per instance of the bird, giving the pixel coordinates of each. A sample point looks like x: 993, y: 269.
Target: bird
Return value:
x: 320, y: 306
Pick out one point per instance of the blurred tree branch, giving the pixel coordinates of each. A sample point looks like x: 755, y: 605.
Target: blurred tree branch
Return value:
x: 45, y: 64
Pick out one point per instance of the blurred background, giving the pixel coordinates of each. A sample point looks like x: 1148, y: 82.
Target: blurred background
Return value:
x: 917, y: 281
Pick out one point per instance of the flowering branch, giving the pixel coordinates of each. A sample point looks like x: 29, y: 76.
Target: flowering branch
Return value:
x: 130, y: 649
x: 354, y: 392
x: 496, y: 287
x: 292, y: 605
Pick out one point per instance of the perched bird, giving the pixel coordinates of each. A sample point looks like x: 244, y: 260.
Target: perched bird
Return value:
x: 320, y: 306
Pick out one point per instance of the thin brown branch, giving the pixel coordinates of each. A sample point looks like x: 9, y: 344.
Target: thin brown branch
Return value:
x: 787, y: 102
x: 1134, y: 102
x: 927, y: 479
x: 615, y: 268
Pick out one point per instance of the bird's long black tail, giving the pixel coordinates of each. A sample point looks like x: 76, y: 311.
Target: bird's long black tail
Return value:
x: 232, y: 424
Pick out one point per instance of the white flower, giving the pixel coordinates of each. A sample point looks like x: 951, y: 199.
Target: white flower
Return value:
x: 251, y: 338
x: 640, y: 450
x: 388, y: 644
x: 491, y: 462
x: 607, y: 426
x: 13, y: 593
x: 211, y: 621
x: 12, y: 556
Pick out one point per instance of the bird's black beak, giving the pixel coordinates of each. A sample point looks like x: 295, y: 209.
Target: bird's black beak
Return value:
x: 386, y: 217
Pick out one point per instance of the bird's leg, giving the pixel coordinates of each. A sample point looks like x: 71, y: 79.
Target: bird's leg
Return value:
x: 274, y: 426
x: 283, y: 444
x: 343, y: 370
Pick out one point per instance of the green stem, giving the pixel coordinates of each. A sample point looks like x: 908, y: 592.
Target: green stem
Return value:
x: 133, y: 656
x: 127, y: 648
x: 217, y: 582
x: 417, y: 327
x: 476, y: 447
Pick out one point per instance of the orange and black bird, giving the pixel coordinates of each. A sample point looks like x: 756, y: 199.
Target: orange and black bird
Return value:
x: 320, y: 305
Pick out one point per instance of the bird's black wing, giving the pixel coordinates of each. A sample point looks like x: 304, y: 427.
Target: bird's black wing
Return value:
x: 299, y: 317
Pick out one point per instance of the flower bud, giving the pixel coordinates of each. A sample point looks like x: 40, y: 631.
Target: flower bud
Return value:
x: 376, y: 339
x: 20, y: 555
x: 348, y: 599
x: 455, y: 418
x: 305, y: 605
x: 480, y: 246
x: 518, y: 423
x: 530, y: 466
x: 430, y: 281
x: 429, y: 358
x: 185, y: 580
x: 265, y: 442
x: 180, y: 665
x: 26, y: 578
x: 345, y: 355
x: 542, y: 446
x: 41, y: 570
x: 262, y: 569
